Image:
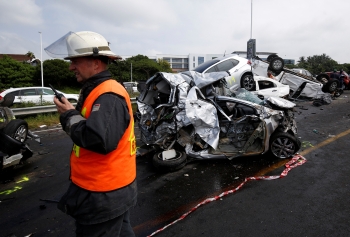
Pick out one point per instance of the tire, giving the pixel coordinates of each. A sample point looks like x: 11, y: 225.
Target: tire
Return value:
x: 9, y: 145
x: 17, y: 129
x: 247, y: 82
x: 284, y: 145
x: 276, y: 64
x: 270, y: 57
x: 169, y: 165
x: 8, y: 100
x: 330, y: 86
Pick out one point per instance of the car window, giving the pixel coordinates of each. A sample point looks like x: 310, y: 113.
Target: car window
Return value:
x: 308, y: 73
x: 266, y: 84
x: 15, y: 93
x: 201, y: 68
x: 44, y: 91
x: 225, y: 66
x: 213, y: 69
x: 234, y: 61
x: 28, y: 92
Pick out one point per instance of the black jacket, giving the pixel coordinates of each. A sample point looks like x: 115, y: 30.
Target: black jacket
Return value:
x: 100, y: 133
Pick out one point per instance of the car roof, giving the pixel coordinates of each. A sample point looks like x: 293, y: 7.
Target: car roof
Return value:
x: 22, y: 88
x: 207, y: 64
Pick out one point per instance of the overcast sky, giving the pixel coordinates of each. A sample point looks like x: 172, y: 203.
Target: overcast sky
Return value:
x: 290, y: 28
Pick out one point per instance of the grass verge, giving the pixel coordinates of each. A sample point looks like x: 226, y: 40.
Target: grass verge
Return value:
x: 35, y: 121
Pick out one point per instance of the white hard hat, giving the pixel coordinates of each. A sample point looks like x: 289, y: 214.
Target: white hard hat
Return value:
x: 80, y: 44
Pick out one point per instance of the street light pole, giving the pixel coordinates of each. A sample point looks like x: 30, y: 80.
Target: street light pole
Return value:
x: 251, y: 18
x: 41, y: 60
x: 131, y: 73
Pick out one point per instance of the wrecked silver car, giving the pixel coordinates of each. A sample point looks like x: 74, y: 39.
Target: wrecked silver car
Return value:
x: 188, y: 115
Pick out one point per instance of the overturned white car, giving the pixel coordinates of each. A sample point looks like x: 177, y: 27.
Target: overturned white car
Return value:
x: 183, y: 115
x: 300, y: 85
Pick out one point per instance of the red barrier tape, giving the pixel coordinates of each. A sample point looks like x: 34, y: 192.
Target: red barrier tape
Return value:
x: 294, y: 162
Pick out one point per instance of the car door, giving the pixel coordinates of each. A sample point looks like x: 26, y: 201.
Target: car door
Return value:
x: 46, y: 94
x: 29, y: 95
x: 237, y: 127
x: 267, y: 88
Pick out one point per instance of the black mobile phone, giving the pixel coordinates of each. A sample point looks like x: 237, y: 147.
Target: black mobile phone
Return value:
x: 58, y: 95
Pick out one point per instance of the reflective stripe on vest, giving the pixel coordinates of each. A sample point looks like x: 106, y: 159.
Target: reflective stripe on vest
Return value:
x: 96, y: 172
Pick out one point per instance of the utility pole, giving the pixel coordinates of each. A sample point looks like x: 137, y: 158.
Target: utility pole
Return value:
x: 131, y: 73
x: 251, y: 19
x: 41, y: 60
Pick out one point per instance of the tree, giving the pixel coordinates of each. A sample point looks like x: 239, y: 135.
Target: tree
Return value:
x: 317, y: 63
x: 140, y: 66
x: 345, y: 67
x: 164, y: 65
x: 120, y: 70
x: 15, y: 74
x: 30, y: 55
x: 56, y: 72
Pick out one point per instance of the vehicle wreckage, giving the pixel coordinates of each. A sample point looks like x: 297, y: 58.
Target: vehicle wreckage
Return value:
x: 13, y: 134
x: 190, y: 114
x: 303, y: 86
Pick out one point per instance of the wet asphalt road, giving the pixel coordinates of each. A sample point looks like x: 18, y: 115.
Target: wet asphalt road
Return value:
x: 312, y: 200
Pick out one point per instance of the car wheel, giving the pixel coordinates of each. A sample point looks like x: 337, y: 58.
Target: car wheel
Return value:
x: 9, y: 145
x: 284, y: 145
x: 276, y: 64
x: 330, y: 86
x: 8, y: 100
x: 247, y: 82
x: 270, y: 57
x: 170, y: 165
x: 17, y: 129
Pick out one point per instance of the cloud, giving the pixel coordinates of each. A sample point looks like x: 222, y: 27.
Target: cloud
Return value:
x: 16, y: 13
x: 295, y: 29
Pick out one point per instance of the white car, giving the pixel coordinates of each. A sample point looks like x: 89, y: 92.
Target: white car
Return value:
x: 266, y: 87
x: 37, y: 95
x: 130, y: 86
x: 238, y: 67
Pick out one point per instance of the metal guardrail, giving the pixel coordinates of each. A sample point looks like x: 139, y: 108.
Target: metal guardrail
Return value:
x: 42, y: 109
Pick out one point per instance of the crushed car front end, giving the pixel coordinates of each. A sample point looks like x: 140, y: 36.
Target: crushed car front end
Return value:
x: 190, y: 113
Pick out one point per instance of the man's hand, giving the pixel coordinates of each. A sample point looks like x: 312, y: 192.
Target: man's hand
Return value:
x: 64, y: 106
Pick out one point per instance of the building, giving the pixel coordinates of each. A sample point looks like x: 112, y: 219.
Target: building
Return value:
x: 17, y: 57
x: 22, y: 58
x: 188, y: 62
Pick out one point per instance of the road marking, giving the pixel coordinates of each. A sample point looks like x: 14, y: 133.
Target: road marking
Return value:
x: 325, y: 142
x: 282, y: 162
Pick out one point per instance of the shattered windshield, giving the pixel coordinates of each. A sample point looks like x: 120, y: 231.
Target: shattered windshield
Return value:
x: 243, y: 94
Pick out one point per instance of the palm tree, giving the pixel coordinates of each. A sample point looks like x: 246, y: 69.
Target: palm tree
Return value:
x: 30, y: 55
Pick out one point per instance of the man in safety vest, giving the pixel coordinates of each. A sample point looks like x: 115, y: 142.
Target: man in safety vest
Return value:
x: 102, y: 161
